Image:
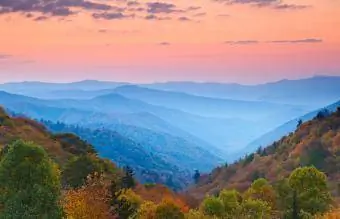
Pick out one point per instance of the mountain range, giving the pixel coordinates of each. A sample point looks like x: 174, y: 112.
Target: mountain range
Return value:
x: 180, y: 125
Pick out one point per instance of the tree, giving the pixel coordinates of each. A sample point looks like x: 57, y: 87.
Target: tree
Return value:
x: 322, y: 114
x: 147, y: 210
x: 88, y: 202
x: 194, y: 214
x: 168, y: 210
x: 231, y: 201
x: 212, y: 206
x: 295, y: 208
x: 311, y: 189
x: 299, y: 123
x: 29, y: 183
x: 127, y: 180
x: 197, y: 176
x: 255, y: 209
x: 260, y: 189
x: 124, y: 202
x: 78, y: 168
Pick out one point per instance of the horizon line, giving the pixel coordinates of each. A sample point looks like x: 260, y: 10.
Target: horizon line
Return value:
x: 165, y: 82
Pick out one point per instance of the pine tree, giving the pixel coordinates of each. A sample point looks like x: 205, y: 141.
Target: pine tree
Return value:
x: 127, y: 180
x: 197, y: 176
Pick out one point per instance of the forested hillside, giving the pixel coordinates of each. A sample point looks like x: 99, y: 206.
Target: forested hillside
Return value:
x: 155, y: 159
x: 314, y: 143
x: 45, y: 175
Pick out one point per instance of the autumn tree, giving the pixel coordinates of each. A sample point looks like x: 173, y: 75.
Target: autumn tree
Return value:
x: 255, y: 209
x: 212, y: 206
x: 29, y: 183
x: 167, y: 209
x: 260, y: 189
x: 231, y: 201
x: 147, y: 210
x: 312, y: 194
x: 91, y: 201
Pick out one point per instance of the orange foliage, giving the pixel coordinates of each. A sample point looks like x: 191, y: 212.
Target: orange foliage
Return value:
x: 331, y: 215
x: 88, y: 202
x: 159, y: 193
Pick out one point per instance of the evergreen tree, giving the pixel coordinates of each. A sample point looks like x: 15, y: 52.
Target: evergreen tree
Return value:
x: 127, y: 180
x: 197, y: 176
x: 299, y: 123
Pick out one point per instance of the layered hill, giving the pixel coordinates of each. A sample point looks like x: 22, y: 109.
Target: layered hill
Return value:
x: 286, y: 128
x: 63, y: 143
x: 315, y: 142
x: 115, y: 109
x: 316, y: 91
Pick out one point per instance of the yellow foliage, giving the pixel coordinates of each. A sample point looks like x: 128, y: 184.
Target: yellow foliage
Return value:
x: 147, y: 210
x: 88, y: 202
x: 331, y: 215
x: 131, y: 197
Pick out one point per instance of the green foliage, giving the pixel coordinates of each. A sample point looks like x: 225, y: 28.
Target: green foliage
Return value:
x: 248, y: 159
x: 168, y: 210
x: 128, y: 181
x: 231, y: 201
x: 213, y: 206
x: 260, y: 189
x: 284, y: 194
x: 29, y: 183
x: 255, y: 209
x: 316, y: 156
x: 77, y: 169
x: 194, y: 214
x: 311, y: 189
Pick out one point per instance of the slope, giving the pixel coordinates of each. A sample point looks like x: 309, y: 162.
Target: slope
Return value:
x: 286, y: 128
x: 316, y: 142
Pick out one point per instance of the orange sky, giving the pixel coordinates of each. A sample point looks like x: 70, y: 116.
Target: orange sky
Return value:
x: 203, y: 40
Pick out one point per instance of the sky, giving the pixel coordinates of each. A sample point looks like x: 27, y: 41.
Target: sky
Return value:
x: 243, y: 41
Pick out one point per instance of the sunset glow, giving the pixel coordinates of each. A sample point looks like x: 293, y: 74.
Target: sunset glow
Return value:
x: 204, y: 40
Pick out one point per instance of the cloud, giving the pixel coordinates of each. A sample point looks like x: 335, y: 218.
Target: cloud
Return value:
x: 274, y: 4
x: 193, y: 8
x: 161, y: 7
x: 183, y: 18
x: 132, y: 3
x: 307, y: 40
x: 201, y: 14
x: 40, y: 10
x: 242, y: 42
x: 102, y: 31
x: 297, y: 41
x: 154, y: 17
x: 51, y: 7
x: 290, y: 7
x: 111, y: 15
x: 118, y: 31
x: 40, y: 18
x: 164, y: 44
